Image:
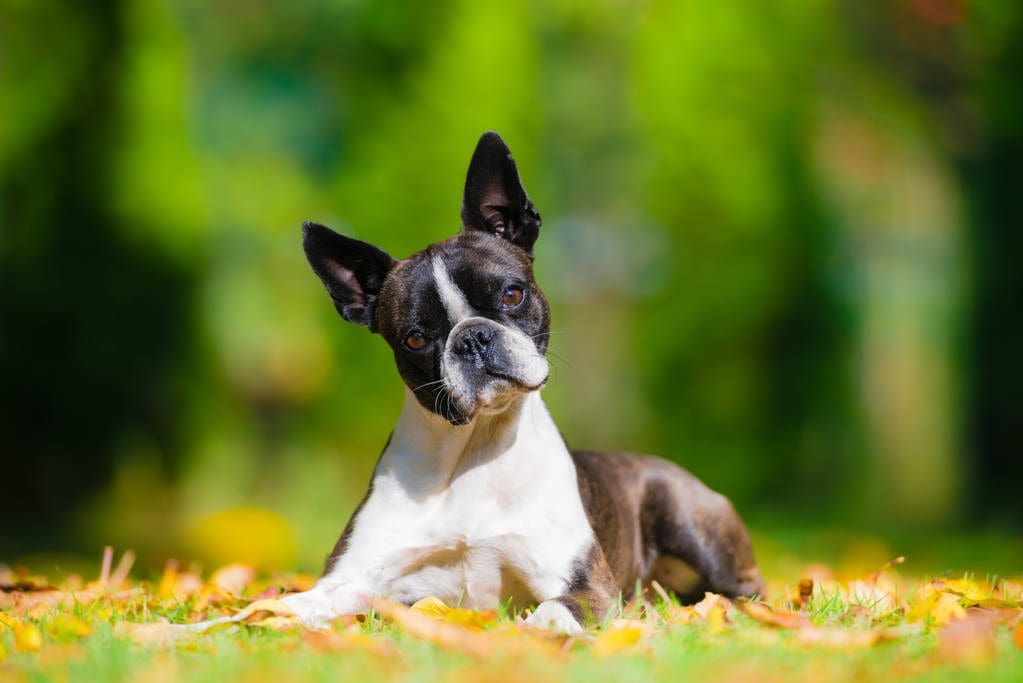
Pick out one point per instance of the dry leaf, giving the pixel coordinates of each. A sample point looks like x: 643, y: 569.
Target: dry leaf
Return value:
x: 678, y: 614
x: 623, y: 635
x: 272, y: 606
x: 234, y: 578
x: 763, y: 614
x: 435, y: 607
x: 804, y: 592
x: 946, y: 609
x: 431, y: 607
x: 709, y: 602
x: 68, y: 626
x: 441, y: 633
x: 712, y: 609
x: 970, y: 640
x: 27, y: 637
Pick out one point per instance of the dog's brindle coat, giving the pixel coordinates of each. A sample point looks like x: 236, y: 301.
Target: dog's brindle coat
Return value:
x: 476, y: 499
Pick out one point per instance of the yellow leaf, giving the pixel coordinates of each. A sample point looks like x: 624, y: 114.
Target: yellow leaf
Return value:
x: 234, y: 578
x: 478, y: 619
x: 3, y: 653
x: 923, y: 602
x: 678, y: 614
x: 624, y: 635
x: 270, y: 605
x: 26, y: 637
x: 763, y: 614
x: 68, y: 626
x: 449, y: 636
x: 712, y: 610
x: 946, y: 609
x: 972, y: 591
x: 431, y: 607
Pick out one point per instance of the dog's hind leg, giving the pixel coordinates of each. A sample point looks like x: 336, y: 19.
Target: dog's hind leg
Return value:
x: 687, y: 521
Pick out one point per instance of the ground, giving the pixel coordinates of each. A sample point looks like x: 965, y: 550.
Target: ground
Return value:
x: 819, y: 622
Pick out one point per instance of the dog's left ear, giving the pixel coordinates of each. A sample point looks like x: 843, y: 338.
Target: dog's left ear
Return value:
x: 352, y: 271
x: 494, y: 199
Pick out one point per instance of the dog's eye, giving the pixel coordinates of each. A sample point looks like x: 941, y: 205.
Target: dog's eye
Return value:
x: 415, y: 341
x: 512, y: 297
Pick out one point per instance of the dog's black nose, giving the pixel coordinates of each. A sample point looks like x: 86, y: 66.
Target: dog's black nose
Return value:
x: 474, y: 341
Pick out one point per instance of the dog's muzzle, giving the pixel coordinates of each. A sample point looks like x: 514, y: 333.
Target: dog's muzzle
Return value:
x: 485, y: 361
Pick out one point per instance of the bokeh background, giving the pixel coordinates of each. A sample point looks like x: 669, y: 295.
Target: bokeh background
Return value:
x: 781, y: 241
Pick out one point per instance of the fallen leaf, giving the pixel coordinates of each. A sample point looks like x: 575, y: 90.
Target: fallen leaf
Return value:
x: 1017, y: 635
x: 971, y: 591
x: 970, y: 640
x: 804, y: 593
x: 272, y: 606
x: 434, y: 630
x: 761, y: 613
x: 27, y: 637
x: 436, y: 608
x: 946, y: 609
x: 65, y: 626
x: 678, y: 614
x: 431, y: 607
x: 709, y: 602
x: 234, y: 578
x: 712, y: 609
x: 178, y: 585
x: 621, y: 636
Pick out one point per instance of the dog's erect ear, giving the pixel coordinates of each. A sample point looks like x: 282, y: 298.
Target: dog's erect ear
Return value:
x: 352, y: 271
x: 494, y: 199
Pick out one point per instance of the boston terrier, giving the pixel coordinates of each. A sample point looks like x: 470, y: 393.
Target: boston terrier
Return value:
x: 476, y: 498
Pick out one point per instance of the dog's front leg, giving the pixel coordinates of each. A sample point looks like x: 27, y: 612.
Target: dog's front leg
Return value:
x: 588, y: 596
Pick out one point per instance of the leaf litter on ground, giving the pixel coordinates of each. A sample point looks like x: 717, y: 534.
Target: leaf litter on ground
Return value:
x: 955, y: 620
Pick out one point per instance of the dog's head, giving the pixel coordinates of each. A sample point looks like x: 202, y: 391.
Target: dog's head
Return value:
x: 465, y: 318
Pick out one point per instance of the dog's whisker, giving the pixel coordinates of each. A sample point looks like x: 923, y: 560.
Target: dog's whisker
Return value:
x: 423, y: 386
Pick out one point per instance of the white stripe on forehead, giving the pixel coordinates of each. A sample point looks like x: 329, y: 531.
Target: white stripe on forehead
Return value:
x: 450, y: 295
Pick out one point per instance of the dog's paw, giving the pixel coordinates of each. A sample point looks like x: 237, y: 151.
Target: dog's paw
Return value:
x: 321, y: 605
x: 553, y: 616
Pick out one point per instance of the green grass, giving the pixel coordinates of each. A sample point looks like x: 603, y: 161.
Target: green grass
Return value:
x: 739, y: 650
x: 680, y: 654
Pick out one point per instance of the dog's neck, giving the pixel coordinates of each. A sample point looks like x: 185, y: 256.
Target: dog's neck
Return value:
x: 426, y: 452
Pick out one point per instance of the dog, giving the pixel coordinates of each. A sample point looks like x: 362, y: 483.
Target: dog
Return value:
x: 476, y: 498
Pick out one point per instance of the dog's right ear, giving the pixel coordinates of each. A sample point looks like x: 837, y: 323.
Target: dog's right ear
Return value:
x: 353, y: 271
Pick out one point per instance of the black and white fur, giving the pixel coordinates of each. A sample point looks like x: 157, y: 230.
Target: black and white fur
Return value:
x: 476, y: 498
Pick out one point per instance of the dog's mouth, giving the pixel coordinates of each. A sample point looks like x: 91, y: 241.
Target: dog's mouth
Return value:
x: 493, y: 397
x: 516, y: 382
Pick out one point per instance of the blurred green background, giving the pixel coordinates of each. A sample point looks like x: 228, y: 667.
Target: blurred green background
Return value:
x: 781, y: 242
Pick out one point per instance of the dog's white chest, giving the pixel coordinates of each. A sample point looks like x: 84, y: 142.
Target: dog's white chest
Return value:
x: 506, y: 525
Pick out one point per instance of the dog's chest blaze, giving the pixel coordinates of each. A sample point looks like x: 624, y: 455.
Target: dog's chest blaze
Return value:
x: 510, y: 528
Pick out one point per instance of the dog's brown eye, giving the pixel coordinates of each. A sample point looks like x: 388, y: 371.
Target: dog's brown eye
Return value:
x: 415, y: 341
x: 512, y: 297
